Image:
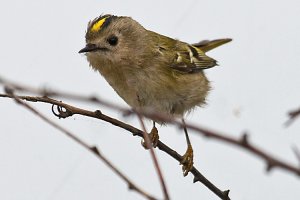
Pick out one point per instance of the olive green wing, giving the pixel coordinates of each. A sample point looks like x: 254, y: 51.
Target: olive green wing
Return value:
x: 192, y: 60
x: 185, y: 57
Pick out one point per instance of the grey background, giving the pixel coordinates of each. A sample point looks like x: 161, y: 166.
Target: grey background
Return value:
x: 255, y: 85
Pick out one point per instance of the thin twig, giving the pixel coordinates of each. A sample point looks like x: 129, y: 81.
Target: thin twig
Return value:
x: 92, y: 149
x: 72, y: 110
x: 293, y: 115
x: 297, y: 153
x: 155, y: 161
x: 242, y: 142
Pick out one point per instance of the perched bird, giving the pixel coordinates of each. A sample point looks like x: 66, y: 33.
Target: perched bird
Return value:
x: 149, y: 70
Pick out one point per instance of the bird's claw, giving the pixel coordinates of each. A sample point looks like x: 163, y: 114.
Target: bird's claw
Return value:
x: 154, y: 138
x: 187, y: 161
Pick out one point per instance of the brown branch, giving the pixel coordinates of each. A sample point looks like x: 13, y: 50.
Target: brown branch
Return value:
x: 293, y: 115
x: 156, y: 165
x: 72, y: 110
x: 297, y: 153
x: 92, y: 149
x: 242, y: 142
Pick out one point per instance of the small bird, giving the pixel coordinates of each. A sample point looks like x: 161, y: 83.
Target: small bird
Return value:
x: 149, y: 70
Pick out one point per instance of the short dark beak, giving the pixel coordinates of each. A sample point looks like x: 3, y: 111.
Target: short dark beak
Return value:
x: 89, y: 48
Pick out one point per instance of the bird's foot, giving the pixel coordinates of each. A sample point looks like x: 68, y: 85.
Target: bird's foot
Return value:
x: 154, y: 138
x: 187, y: 160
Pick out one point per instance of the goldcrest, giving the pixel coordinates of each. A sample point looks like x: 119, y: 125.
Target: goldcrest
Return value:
x: 149, y: 70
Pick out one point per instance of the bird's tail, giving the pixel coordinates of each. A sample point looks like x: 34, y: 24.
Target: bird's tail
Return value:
x: 207, y: 45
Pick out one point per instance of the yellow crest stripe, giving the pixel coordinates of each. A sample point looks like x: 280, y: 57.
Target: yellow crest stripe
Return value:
x: 96, y: 27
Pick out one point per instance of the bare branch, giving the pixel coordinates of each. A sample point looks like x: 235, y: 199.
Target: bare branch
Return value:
x: 243, y: 142
x: 297, y: 153
x: 92, y: 149
x: 72, y: 110
x: 156, y: 165
x: 293, y: 115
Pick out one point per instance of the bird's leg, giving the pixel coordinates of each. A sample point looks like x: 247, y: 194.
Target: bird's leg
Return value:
x: 187, y: 159
x: 154, y: 137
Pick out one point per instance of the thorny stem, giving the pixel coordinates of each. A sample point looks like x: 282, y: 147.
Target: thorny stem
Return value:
x: 72, y: 110
x: 92, y: 149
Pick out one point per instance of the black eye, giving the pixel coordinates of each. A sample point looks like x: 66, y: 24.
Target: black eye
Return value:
x: 112, y: 40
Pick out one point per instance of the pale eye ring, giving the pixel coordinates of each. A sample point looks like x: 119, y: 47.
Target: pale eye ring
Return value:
x: 113, y: 40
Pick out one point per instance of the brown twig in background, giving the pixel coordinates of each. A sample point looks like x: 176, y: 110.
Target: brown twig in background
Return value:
x: 156, y: 165
x: 92, y: 149
x: 242, y: 142
x: 293, y: 115
x: 72, y: 110
x: 297, y: 153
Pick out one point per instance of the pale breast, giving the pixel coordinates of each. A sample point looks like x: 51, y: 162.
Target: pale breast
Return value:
x: 156, y: 89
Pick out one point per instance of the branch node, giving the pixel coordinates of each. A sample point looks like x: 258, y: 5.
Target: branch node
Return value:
x: 131, y: 186
x: 95, y: 150
x: 8, y: 90
x: 196, y: 179
x: 270, y: 165
x: 94, y: 99
x: 137, y: 133
x: 244, y: 139
x: 293, y: 113
x: 98, y: 113
x: 297, y: 153
x: 292, y: 116
x: 226, y: 194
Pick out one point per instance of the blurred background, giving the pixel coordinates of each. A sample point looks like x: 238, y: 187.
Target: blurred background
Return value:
x: 254, y: 87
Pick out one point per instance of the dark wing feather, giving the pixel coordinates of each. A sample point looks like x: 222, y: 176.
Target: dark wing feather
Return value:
x: 192, y: 60
x: 207, y: 45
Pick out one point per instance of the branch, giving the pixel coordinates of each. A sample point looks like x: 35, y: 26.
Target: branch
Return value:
x: 92, y: 149
x: 242, y: 142
x: 293, y: 115
x: 155, y: 161
x: 297, y: 153
x: 72, y: 110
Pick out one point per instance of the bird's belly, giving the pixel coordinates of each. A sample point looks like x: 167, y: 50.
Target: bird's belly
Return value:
x: 158, y: 93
